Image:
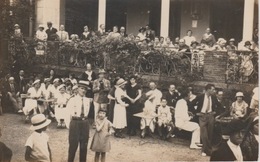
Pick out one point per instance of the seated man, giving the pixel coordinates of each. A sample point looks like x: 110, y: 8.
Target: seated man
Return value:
x: 148, y: 118
x: 165, y: 120
x: 12, y: 93
x: 182, y: 120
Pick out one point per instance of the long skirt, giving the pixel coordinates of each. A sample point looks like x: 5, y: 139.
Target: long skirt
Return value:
x: 119, y: 121
x: 60, y: 113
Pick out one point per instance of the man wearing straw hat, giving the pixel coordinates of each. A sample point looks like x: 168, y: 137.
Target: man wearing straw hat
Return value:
x: 101, y: 87
x: 78, y: 109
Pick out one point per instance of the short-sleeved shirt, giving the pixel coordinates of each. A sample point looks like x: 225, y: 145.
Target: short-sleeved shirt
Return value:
x: 38, y: 142
x: 33, y: 93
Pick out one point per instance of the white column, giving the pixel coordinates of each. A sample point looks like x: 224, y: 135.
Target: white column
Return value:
x: 101, y: 12
x: 50, y: 10
x: 248, y: 20
x: 165, y: 17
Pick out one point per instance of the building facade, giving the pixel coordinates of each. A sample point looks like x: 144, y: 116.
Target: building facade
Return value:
x: 226, y: 18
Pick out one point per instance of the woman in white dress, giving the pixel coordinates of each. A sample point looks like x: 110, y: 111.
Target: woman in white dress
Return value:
x: 60, y: 106
x: 33, y: 94
x: 120, y: 121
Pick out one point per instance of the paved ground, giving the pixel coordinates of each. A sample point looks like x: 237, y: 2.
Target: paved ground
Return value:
x: 133, y: 149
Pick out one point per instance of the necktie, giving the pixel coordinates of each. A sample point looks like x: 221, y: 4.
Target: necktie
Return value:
x: 82, y: 109
x: 208, y: 105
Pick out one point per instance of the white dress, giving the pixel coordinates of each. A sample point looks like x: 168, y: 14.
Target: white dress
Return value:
x: 119, y: 121
x: 31, y: 103
x: 60, y: 107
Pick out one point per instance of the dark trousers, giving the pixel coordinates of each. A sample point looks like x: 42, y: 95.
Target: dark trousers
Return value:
x: 78, y: 134
x: 206, y: 122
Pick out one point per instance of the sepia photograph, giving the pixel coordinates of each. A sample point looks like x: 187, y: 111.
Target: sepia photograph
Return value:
x: 129, y: 80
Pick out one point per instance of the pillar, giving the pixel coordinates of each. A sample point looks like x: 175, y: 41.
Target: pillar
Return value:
x: 101, y: 12
x: 248, y: 23
x: 165, y: 17
x: 49, y: 10
x: 248, y: 20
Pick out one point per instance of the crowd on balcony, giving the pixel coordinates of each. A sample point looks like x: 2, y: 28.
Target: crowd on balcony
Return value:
x: 146, y: 38
x: 123, y: 104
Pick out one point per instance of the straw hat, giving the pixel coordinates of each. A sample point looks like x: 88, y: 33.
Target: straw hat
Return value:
x: 101, y: 71
x: 16, y: 25
x: 239, y: 94
x: 56, y: 80
x: 75, y: 87
x: 36, y: 81
x: 61, y: 86
x: 83, y: 83
x: 232, y: 40
x: 39, y: 121
x: 121, y: 82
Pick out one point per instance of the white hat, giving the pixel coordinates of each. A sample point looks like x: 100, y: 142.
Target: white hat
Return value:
x: 56, y: 80
x: 47, y: 79
x: 239, y: 94
x: 39, y: 121
x: 75, y: 87
x: 16, y: 25
x: 61, y: 86
x: 121, y: 82
x: 41, y: 26
x: 36, y: 81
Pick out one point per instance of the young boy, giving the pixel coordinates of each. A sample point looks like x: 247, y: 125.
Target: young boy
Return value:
x: 165, y: 124
x: 5, y: 152
x: 37, y: 147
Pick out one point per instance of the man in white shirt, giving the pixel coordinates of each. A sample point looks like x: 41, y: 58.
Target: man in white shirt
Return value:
x: 78, y: 109
x: 62, y: 34
x: 182, y: 120
x: 230, y: 150
x: 154, y: 95
x: 189, y: 38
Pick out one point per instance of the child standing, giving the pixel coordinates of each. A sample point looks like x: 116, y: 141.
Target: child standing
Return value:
x: 101, y: 143
x: 37, y: 147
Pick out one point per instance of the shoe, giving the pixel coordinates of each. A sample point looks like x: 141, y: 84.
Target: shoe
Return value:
x: 195, y: 147
x: 143, y: 134
x: 27, y: 119
x: 199, y: 144
x: 20, y: 112
x: 203, y: 154
x: 59, y: 125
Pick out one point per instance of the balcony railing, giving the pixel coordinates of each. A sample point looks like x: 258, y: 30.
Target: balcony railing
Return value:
x: 124, y: 56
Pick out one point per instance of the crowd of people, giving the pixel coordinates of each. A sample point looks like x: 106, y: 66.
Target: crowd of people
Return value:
x: 223, y: 129
x: 220, y: 128
x: 146, y: 38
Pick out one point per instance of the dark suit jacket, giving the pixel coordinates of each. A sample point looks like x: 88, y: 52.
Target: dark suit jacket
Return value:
x: 7, y: 88
x: 198, y: 101
x: 223, y: 153
x: 171, y: 98
x: 51, y: 34
x: 21, y: 84
x: 85, y: 76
